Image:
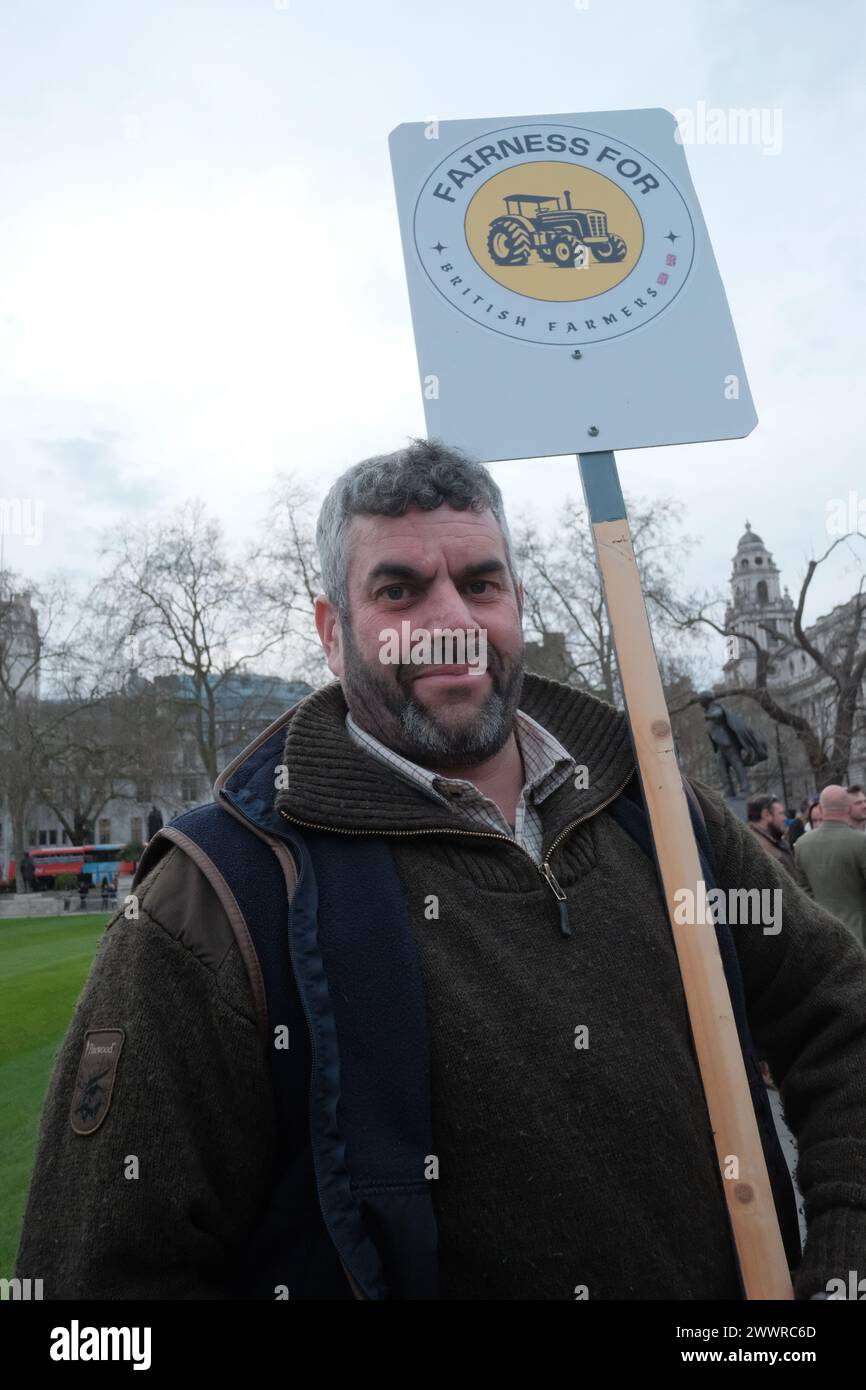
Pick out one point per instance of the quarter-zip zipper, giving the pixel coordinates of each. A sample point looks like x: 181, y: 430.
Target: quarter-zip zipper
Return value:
x: 547, y: 875
x: 543, y: 868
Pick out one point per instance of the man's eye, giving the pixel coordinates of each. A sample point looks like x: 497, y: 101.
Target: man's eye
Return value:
x: 474, y: 584
x: 394, y: 591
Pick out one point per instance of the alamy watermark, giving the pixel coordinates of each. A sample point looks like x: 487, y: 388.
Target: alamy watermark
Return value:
x: 755, y: 907
x: 846, y: 515
x: 853, y: 1291
x: 22, y: 516
x: 77, y: 1343
x: 20, y: 1290
x: 441, y: 646
x: 734, y: 125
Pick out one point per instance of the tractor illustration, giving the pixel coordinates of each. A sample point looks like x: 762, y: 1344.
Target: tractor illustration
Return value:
x: 552, y: 228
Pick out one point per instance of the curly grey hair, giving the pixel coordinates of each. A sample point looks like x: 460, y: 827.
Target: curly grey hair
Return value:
x: 426, y: 474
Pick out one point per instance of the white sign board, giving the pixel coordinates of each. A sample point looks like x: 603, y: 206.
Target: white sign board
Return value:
x: 564, y: 293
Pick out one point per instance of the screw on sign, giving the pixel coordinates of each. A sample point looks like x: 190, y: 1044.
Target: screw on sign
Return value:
x: 529, y: 244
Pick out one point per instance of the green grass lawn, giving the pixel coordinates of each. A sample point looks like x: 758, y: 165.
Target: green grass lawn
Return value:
x: 43, y: 965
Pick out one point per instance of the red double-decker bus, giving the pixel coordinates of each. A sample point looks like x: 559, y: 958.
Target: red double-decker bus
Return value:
x: 93, y: 862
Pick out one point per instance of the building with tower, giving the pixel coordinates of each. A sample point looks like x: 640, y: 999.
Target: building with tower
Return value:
x: 760, y: 608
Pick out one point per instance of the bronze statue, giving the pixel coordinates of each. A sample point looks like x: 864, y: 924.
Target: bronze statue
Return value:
x: 736, y: 745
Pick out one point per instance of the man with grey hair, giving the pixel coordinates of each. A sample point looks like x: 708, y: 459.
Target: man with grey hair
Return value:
x: 831, y: 862
x: 453, y: 561
x: 500, y: 1078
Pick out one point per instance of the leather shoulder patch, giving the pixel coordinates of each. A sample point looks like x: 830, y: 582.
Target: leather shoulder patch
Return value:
x: 94, y: 1083
x: 178, y: 897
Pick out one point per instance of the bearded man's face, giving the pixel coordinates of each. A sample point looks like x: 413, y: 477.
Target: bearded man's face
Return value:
x: 429, y: 573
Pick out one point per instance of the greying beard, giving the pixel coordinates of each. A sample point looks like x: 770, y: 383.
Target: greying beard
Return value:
x: 479, y: 740
x: 392, y: 713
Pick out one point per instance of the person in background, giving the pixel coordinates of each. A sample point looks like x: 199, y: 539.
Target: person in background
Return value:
x: 857, y: 810
x: 814, y: 815
x: 766, y: 820
x: 28, y: 872
x: 797, y: 826
x: 831, y: 863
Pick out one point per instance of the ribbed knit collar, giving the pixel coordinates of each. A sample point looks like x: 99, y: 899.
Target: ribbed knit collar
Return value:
x: 336, y: 785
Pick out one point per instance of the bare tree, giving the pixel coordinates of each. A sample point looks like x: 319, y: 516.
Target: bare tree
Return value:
x: 102, y: 751
x: 36, y: 644
x: 287, y: 567
x: 564, y: 592
x: 193, y: 617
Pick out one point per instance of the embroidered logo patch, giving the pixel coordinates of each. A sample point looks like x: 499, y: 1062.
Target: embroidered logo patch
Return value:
x: 95, y: 1080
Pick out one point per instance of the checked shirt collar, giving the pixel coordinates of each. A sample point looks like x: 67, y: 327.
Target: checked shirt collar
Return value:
x: 546, y: 766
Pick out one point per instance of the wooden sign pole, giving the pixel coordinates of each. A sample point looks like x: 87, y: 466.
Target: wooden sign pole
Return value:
x: 758, y: 1240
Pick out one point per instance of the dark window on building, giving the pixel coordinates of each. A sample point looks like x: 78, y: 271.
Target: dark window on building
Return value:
x: 758, y: 560
x: 761, y: 591
x: 52, y: 837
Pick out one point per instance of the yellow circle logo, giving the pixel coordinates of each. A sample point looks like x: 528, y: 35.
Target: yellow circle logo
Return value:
x: 554, y: 231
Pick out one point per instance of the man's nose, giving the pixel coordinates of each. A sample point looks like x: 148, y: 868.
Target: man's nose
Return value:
x: 446, y: 607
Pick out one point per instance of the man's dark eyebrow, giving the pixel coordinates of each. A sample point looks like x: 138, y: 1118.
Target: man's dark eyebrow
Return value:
x: 391, y: 567
x: 478, y: 567
x: 397, y: 571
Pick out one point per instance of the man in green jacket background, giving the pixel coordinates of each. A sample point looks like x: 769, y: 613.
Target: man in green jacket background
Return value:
x: 831, y: 863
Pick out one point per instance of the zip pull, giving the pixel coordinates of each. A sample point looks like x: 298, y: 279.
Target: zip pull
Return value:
x: 547, y: 874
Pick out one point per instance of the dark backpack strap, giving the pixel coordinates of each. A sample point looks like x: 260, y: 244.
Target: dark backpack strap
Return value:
x: 240, y: 864
x: 629, y: 812
x: 342, y: 966
x: 185, y: 834
x: 289, y: 1244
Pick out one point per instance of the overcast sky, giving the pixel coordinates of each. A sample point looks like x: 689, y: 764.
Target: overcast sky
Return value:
x: 200, y: 271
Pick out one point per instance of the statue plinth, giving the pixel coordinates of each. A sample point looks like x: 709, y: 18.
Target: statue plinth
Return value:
x: 737, y: 804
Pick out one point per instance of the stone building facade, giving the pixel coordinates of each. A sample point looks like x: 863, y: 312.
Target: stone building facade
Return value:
x: 760, y: 607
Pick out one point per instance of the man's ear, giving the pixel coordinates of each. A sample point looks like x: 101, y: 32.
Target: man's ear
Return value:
x: 328, y: 628
x: 520, y: 598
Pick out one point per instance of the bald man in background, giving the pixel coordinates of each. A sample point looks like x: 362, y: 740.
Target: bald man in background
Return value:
x: 831, y: 863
